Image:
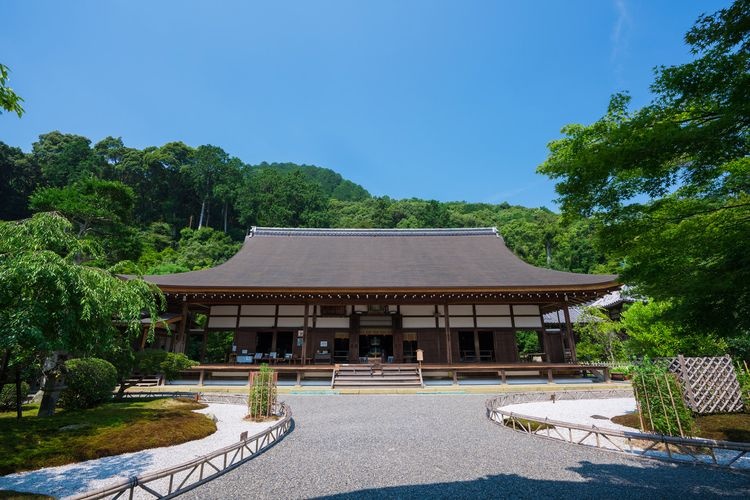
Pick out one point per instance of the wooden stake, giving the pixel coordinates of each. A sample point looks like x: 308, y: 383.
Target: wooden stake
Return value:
x: 648, y: 403
x: 674, y: 405
x: 638, y: 407
x: 663, y: 404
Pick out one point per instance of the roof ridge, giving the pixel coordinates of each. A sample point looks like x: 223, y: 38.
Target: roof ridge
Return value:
x: 290, y: 231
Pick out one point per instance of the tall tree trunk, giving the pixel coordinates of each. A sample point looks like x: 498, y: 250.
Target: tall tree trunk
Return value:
x: 4, y: 368
x: 52, y: 385
x: 203, y: 211
x: 226, y: 212
x: 19, y: 396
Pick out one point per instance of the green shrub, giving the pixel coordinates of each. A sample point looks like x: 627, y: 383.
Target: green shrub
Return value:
x: 662, y: 405
x: 89, y: 383
x: 8, y: 396
x: 743, y: 377
x: 262, y: 394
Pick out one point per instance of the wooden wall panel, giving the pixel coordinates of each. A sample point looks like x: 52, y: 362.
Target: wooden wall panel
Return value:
x: 553, y: 346
x: 244, y: 340
x: 506, y: 349
x: 429, y: 343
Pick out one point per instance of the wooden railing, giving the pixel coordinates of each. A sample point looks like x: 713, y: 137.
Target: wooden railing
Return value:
x: 694, y: 450
x: 170, y: 482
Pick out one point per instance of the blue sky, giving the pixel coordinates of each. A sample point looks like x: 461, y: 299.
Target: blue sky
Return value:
x: 432, y: 99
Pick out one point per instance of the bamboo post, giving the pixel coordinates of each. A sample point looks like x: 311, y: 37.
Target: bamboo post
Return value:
x: 648, y: 403
x: 674, y: 405
x: 638, y: 407
x: 663, y: 405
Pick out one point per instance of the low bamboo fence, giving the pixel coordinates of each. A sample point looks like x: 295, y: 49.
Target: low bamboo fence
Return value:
x: 725, y: 454
x: 173, y: 481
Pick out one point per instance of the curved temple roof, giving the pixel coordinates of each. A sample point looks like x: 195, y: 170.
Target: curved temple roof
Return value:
x: 378, y: 259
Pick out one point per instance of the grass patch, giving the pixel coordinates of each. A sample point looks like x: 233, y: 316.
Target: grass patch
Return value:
x: 721, y: 427
x: 111, y: 429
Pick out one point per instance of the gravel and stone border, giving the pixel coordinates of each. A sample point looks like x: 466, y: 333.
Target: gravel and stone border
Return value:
x: 79, y: 478
x: 583, y: 418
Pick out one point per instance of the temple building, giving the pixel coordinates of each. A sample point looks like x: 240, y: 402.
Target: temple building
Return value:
x: 323, y: 296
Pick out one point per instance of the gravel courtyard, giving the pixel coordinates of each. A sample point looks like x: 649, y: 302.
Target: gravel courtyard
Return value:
x: 442, y: 446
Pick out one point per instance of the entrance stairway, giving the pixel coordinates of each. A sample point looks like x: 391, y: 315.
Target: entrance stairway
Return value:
x: 376, y: 375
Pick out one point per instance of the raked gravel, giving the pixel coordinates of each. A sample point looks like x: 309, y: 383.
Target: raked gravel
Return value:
x: 74, y: 479
x: 582, y: 411
x: 443, y: 446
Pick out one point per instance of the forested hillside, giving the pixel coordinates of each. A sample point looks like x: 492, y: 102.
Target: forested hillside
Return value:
x: 175, y: 208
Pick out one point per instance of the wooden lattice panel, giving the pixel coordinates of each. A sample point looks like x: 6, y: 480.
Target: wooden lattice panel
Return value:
x: 710, y: 384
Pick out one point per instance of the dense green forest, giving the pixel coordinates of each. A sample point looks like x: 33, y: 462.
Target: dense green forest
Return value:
x: 175, y: 208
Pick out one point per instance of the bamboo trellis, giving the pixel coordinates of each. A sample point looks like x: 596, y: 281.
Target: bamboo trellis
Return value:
x: 710, y: 384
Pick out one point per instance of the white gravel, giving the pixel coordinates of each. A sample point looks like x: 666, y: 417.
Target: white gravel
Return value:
x: 579, y: 411
x: 72, y: 479
x: 583, y: 412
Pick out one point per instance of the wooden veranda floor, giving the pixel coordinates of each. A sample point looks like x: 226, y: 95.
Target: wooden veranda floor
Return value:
x: 448, y: 370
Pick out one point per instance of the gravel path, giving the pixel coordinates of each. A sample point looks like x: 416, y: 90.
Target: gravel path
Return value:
x: 443, y: 446
x: 73, y: 479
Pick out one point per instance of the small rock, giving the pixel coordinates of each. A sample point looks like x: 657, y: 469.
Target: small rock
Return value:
x: 212, y: 417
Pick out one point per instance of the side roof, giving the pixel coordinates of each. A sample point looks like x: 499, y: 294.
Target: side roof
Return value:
x: 377, y: 259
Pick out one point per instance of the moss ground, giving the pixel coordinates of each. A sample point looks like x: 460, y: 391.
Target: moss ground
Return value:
x: 722, y: 427
x: 111, y: 429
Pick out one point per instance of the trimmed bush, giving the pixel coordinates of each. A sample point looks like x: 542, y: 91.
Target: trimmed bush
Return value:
x: 8, y: 396
x: 661, y: 400
x: 89, y: 383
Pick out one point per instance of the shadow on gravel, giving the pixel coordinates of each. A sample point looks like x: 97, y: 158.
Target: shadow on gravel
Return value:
x: 76, y: 478
x: 653, y: 480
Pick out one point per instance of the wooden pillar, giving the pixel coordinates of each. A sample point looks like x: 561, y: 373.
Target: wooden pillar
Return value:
x: 203, y: 345
x: 569, y: 332
x: 181, y: 335
x: 200, y: 378
x: 305, y: 333
x: 476, y: 346
x: 448, y: 343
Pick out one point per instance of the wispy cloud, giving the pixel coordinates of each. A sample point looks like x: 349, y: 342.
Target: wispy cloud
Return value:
x: 619, y: 39
x: 511, y: 193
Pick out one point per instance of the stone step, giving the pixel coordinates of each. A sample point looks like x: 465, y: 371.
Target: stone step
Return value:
x: 378, y: 383
x: 381, y: 379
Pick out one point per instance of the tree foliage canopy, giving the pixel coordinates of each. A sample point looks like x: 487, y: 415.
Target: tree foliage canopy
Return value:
x: 51, y: 303
x: 668, y: 183
x: 9, y: 100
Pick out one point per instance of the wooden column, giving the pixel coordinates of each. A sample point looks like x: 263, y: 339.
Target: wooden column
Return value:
x: 476, y: 346
x: 449, y: 344
x: 569, y: 332
x: 181, y: 340
x: 203, y: 346
x: 305, y: 334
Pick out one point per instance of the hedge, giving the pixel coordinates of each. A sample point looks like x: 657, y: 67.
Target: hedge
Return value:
x: 89, y: 382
